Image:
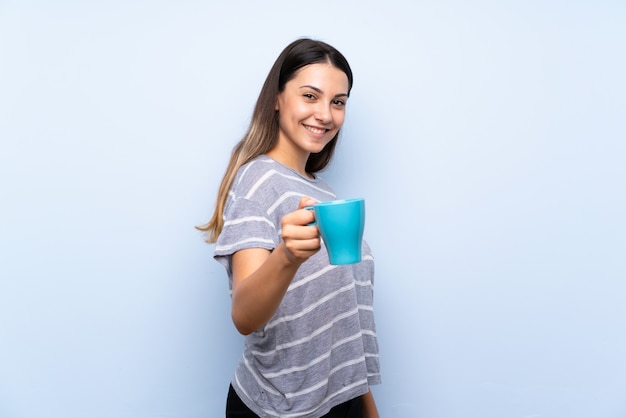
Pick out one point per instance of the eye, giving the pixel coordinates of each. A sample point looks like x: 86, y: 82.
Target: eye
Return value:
x: 339, y: 102
x: 309, y: 96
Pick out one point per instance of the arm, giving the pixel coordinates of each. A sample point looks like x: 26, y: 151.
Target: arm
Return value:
x: 369, y: 406
x: 261, y: 277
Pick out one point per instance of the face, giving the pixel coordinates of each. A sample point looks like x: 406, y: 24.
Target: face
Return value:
x: 311, y: 109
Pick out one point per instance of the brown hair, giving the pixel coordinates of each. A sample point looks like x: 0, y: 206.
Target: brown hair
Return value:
x: 263, y: 130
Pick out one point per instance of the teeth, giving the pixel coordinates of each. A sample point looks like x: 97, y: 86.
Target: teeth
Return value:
x: 315, y: 130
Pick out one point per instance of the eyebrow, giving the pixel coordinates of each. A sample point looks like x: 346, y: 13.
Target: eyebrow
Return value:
x: 317, y: 89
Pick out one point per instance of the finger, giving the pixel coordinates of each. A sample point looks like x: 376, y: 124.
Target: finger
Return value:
x: 300, y: 217
x: 300, y: 231
x: 304, y: 248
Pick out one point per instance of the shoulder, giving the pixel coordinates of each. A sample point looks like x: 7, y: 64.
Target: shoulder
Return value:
x: 261, y: 181
x: 250, y: 173
x: 264, y: 175
x: 254, y: 179
x: 276, y: 187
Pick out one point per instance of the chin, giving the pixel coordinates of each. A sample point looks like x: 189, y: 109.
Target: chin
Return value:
x: 316, y: 150
x: 318, y: 147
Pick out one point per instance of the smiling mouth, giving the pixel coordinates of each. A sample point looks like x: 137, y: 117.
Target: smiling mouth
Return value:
x: 316, y: 130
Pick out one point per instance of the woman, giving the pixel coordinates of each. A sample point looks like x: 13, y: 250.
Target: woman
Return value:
x: 310, y: 341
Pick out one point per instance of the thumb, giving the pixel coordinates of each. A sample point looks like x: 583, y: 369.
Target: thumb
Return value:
x: 306, y: 201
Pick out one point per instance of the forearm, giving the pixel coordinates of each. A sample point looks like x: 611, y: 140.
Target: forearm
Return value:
x: 261, y: 278
x: 369, y: 406
x: 256, y: 298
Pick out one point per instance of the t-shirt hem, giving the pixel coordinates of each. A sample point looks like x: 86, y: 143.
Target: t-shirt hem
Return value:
x: 359, y: 391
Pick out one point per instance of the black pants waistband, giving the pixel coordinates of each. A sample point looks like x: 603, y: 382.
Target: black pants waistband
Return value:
x: 235, y: 408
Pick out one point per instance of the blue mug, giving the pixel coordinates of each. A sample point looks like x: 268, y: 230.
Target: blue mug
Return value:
x: 341, y: 224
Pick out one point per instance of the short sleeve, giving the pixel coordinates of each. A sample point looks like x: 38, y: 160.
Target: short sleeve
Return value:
x: 246, y: 225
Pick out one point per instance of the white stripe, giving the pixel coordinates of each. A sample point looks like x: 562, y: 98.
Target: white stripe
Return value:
x: 346, y: 340
x: 310, y: 308
x: 308, y: 338
x: 366, y: 308
x: 369, y: 332
x: 248, y: 219
x: 259, y: 380
x: 281, y: 199
x: 310, y: 278
x: 259, y: 182
x: 243, y: 173
x: 326, y: 399
x: 270, y: 173
x: 298, y: 368
x: 329, y: 397
x: 253, y: 239
x: 325, y: 381
x: 315, y: 361
x: 267, y: 411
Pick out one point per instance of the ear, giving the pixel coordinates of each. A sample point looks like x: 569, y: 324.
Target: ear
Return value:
x: 277, y: 102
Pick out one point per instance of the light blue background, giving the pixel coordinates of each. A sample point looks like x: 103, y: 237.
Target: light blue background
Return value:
x: 488, y: 138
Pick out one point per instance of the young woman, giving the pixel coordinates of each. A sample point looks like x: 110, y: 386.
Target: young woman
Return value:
x: 310, y: 339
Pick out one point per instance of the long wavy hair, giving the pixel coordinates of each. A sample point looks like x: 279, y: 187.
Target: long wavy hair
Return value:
x: 263, y: 130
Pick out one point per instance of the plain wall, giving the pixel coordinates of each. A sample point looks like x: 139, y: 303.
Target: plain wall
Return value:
x: 488, y: 138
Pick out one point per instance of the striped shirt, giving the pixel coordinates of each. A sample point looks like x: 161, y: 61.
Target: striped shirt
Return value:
x: 320, y: 347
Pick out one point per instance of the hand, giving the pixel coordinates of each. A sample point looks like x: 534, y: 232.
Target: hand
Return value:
x: 301, y: 240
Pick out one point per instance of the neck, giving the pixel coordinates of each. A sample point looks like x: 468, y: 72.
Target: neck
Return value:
x: 295, y: 161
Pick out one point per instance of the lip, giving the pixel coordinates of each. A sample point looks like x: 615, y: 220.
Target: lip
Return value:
x: 316, y: 130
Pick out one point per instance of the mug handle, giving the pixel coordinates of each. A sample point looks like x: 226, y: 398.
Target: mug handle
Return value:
x: 310, y: 208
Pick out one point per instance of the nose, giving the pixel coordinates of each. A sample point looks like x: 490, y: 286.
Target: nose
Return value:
x: 323, y: 114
